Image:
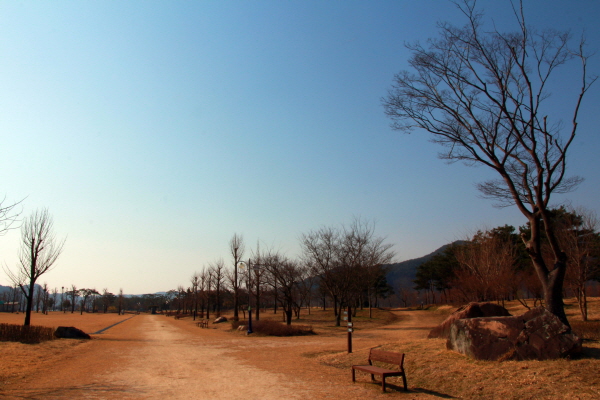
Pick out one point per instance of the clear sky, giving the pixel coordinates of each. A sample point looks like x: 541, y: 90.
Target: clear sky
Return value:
x: 153, y: 130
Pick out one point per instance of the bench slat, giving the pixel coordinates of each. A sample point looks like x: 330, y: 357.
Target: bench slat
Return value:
x: 387, y: 357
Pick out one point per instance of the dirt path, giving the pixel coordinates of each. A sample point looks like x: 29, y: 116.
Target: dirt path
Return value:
x: 154, y: 357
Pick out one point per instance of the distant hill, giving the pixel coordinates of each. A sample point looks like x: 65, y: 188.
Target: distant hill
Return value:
x: 405, y: 272
x: 8, y: 289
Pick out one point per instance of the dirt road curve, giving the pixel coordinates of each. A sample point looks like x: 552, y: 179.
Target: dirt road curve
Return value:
x: 154, y: 357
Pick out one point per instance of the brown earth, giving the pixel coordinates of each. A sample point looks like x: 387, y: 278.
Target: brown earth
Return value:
x: 158, y: 357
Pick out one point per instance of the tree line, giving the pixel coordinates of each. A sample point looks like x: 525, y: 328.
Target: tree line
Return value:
x: 494, y: 265
x: 339, y: 267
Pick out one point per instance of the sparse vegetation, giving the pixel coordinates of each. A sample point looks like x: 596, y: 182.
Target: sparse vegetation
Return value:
x: 587, y: 330
x: 29, y: 334
x: 274, y: 328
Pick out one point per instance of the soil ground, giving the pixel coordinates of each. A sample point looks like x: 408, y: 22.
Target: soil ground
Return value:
x: 157, y: 357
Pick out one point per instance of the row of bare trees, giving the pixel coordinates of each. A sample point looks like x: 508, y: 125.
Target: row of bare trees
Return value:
x: 341, y: 266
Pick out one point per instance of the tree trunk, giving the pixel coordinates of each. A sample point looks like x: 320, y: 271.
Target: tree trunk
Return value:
x: 288, y: 314
x: 29, y: 299
x: 338, y: 315
x: 583, y: 303
x: 553, y: 288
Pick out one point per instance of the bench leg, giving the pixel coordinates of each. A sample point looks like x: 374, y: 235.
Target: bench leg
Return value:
x: 372, y: 377
x: 353, y: 375
x: 404, y: 380
x: 383, y: 384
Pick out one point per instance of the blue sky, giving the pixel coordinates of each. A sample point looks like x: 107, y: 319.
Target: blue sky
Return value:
x: 153, y: 131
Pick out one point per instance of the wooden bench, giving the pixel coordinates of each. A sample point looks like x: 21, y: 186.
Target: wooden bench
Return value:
x: 387, y: 357
x: 202, y: 324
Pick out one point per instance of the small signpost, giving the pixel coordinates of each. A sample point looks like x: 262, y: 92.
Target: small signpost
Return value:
x: 350, y: 328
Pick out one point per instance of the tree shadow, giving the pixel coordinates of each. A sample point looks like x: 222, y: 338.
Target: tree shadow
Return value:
x: 588, y: 352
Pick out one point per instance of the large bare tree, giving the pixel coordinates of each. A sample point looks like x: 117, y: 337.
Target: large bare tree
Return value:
x: 482, y: 94
x: 39, y: 251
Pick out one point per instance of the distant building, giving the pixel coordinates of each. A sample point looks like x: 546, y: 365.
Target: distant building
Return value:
x: 9, y: 306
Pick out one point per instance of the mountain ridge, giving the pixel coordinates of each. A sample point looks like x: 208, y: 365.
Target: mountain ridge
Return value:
x: 404, y: 273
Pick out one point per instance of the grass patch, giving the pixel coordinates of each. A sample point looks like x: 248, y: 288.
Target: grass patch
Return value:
x: 25, y: 334
x: 587, y: 330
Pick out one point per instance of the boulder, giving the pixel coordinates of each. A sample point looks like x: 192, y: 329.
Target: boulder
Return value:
x: 219, y: 320
x: 535, y: 335
x: 70, y: 332
x: 545, y: 337
x: 489, y: 338
x: 471, y: 310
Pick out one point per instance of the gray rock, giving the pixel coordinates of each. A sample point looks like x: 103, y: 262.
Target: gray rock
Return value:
x: 535, y: 335
x: 471, y: 310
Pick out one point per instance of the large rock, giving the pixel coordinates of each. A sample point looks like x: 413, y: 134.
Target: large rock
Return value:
x: 471, y: 310
x: 70, y: 332
x: 535, y: 335
x: 545, y: 337
x: 220, y: 320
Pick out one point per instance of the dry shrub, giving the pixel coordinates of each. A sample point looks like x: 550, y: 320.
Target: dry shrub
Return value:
x: 25, y: 334
x: 274, y: 328
x: 588, y: 330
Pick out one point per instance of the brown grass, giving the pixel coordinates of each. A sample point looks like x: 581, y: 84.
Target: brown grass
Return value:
x: 89, y: 323
x: 587, y: 330
x: 25, y: 334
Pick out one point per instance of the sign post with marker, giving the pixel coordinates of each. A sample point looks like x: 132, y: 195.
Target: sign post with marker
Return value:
x: 350, y: 329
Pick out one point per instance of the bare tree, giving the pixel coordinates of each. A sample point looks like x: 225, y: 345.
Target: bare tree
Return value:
x: 121, y: 301
x: 73, y: 294
x: 218, y: 277
x: 45, y: 298
x: 578, y: 235
x: 39, y: 251
x: 8, y: 215
x: 320, y: 250
x: 285, y: 275
x: 344, y: 259
x: 487, y: 267
x: 85, y: 294
x: 236, y: 246
x: 195, y: 281
x: 209, y: 276
x: 54, y: 298
x: 204, y: 289
x: 481, y: 94
x: 107, y: 299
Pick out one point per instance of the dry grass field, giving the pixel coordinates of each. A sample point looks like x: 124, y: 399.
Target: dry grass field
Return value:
x: 318, y: 363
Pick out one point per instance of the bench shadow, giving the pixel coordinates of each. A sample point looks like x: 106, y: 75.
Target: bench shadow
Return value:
x: 432, y: 393
x: 400, y: 389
